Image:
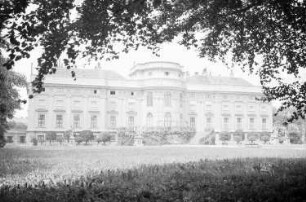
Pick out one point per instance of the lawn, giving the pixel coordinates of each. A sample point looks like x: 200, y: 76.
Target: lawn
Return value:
x: 166, y: 173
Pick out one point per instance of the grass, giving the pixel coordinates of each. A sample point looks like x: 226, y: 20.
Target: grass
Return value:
x: 171, y: 173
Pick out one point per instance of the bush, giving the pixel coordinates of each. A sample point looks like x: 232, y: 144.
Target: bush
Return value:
x: 209, y: 139
x: 125, y: 137
x: 84, y: 136
x: 224, y: 137
x: 104, y: 138
x: 265, y: 137
x: 252, y: 137
x: 2, y: 142
x: 295, y: 138
x: 238, y: 137
x: 51, y: 136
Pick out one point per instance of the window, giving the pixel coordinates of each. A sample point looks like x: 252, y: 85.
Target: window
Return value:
x: 167, y: 120
x: 208, y: 107
x: 264, y: 123
x: 251, y: 108
x: 150, y: 73
x: 112, y: 92
x: 93, y: 121
x: 167, y: 99
x: 225, y: 107
x: 76, y: 103
x: 76, y: 121
x: 41, y: 120
x: 239, y: 123
x: 131, y: 122
x: 113, y: 121
x: 149, y: 120
x: 181, y: 120
x: 95, y: 91
x: 208, y: 122
x: 167, y: 73
x: 238, y: 108
x: 132, y: 93
x: 225, y: 123
x: 59, y: 121
x: 150, y: 99
x: 181, y: 100
x: 251, y: 123
x: 192, y: 122
x: 22, y: 139
x: 9, y: 139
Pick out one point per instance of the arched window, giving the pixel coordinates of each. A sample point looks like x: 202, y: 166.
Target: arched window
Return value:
x: 167, y: 99
x: 149, y: 120
x: 167, y: 120
x: 150, y: 99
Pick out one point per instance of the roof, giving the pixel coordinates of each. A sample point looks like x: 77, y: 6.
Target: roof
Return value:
x: 218, y: 80
x: 89, y: 74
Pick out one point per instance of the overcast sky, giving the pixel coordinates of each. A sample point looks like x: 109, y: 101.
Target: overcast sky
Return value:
x: 169, y: 52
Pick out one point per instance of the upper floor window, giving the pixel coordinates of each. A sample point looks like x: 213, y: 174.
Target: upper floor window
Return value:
x: 239, y: 123
x: 93, y: 121
x: 76, y: 121
x: 41, y: 120
x: 149, y: 120
x: 192, y: 122
x: 167, y: 99
x: 112, y: 92
x: 132, y: 93
x: 95, y: 91
x: 208, y: 122
x: 181, y: 100
x: 264, y: 123
x: 59, y: 121
x: 167, y: 73
x: 251, y: 123
x: 113, y: 121
x: 225, y: 123
x: 150, y: 99
x: 225, y: 107
x: 167, y: 120
x: 208, y: 107
x: 131, y: 121
x: 238, y: 108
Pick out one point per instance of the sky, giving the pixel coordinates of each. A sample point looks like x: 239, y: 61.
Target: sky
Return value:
x: 171, y: 52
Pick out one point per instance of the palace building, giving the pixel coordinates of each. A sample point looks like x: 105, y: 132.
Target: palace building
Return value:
x: 156, y: 94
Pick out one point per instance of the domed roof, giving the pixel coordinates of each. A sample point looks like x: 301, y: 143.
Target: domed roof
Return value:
x: 156, y: 65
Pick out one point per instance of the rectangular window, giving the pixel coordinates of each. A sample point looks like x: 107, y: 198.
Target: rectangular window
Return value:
x: 208, y: 122
x: 131, y: 121
x: 167, y: 99
x: 239, y: 123
x: 76, y: 121
x: 225, y: 108
x: 252, y: 123
x: 192, y: 122
x: 22, y: 139
x: 113, y: 121
x: 112, y: 92
x: 150, y: 99
x: 208, y: 107
x: 264, y: 123
x: 41, y: 120
x: 59, y: 121
x: 225, y: 123
x: 93, y: 121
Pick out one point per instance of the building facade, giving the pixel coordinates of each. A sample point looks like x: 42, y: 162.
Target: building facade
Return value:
x: 156, y: 94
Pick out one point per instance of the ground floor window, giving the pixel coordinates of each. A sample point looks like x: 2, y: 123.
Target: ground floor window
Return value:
x: 131, y: 121
x: 9, y: 139
x: 113, y: 121
x: 192, y: 122
x: 22, y: 139
x: 167, y: 120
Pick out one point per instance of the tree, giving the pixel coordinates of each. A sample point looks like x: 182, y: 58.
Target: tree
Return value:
x: 9, y: 97
x: 266, y: 37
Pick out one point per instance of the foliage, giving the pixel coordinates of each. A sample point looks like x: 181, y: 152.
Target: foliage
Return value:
x: 84, y: 136
x: 265, y: 137
x: 104, y: 138
x: 67, y: 135
x: 252, y: 137
x: 225, y: 137
x: 295, y: 138
x: 9, y: 96
x: 209, y: 139
x: 238, y: 136
x: 125, y: 136
x: 263, y: 36
x: 255, y: 179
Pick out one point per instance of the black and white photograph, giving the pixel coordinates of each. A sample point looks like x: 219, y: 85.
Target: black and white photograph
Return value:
x: 153, y: 100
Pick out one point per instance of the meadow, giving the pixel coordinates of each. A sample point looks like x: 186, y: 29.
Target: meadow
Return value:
x: 156, y: 173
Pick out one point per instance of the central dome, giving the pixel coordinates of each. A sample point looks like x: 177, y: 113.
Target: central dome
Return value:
x: 157, y: 69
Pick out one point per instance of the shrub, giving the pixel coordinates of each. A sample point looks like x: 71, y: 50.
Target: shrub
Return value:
x: 51, y: 136
x: 252, y: 137
x: 209, y: 139
x: 125, y: 136
x: 104, y: 138
x: 67, y: 135
x: 2, y: 142
x: 224, y: 137
x: 295, y: 138
x: 265, y: 137
x: 238, y: 137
